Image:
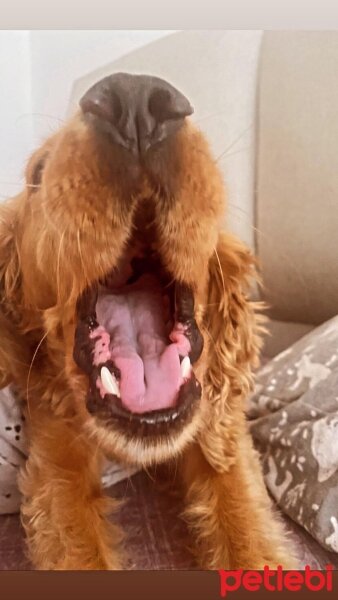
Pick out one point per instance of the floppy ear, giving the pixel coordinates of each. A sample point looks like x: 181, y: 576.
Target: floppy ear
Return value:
x: 233, y: 327
x: 12, y: 348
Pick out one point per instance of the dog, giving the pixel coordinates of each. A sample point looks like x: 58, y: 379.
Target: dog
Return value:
x: 126, y: 326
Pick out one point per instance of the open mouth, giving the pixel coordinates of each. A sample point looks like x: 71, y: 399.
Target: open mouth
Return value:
x: 137, y: 340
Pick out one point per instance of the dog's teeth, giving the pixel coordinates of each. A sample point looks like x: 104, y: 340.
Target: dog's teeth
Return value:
x: 185, y: 368
x: 109, y: 382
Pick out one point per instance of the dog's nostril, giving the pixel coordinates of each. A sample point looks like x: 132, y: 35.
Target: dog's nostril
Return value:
x: 102, y: 102
x: 116, y: 107
x: 164, y: 105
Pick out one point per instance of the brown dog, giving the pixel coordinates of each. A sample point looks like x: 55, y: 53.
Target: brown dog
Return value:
x: 125, y: 325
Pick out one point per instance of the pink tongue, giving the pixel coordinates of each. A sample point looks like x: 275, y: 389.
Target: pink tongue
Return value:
x: 149, y: 366
x: 149, y: 385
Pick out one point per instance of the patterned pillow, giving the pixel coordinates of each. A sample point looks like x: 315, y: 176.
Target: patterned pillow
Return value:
x: 293, y: 417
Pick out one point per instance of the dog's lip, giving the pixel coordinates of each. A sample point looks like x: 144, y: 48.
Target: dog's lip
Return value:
x: 150, y: 423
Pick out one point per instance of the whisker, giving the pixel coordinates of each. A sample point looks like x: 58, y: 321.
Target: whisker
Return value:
x: 58, y: 266
x: 17, y: 183
x: 210, y: 116
x: 30, y: 369
x: 239, y: 137
x: 169, y: 284
x: 147, y: 472
x: 176, y: 467
x: 77, y: 438
x: 130, y: 482
x: 44, y: 115
x: 14, y: 359
x: 269, y: 238
x: 44, y: 206
x: 229, y: 154
x: 21, y: 184
x: 80, y: 254
x: 220, y: 270
x: 204, y: 329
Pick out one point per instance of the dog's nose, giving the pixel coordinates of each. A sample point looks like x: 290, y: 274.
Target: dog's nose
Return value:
x: 138, y: 111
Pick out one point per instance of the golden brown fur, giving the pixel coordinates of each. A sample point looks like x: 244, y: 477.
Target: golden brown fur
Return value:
x: 59, y: 236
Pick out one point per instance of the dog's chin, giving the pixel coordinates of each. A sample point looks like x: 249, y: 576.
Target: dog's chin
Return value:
x: 143, y: 452
x: 138, y: 342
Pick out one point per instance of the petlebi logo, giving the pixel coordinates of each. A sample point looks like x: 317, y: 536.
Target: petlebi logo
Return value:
x: 275, y: 580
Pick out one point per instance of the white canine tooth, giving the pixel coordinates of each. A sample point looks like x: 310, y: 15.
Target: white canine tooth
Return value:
x: 110, y: 382
x: 185, y: 368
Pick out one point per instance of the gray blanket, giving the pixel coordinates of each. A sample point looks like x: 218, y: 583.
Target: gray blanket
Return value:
x: 294, y: 421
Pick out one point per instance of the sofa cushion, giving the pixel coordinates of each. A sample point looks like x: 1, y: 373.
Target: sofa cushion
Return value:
x: 297, y: 175
x: 280, y: 335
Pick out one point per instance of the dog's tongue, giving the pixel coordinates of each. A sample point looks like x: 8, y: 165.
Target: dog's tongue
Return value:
x: 136, y: 319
